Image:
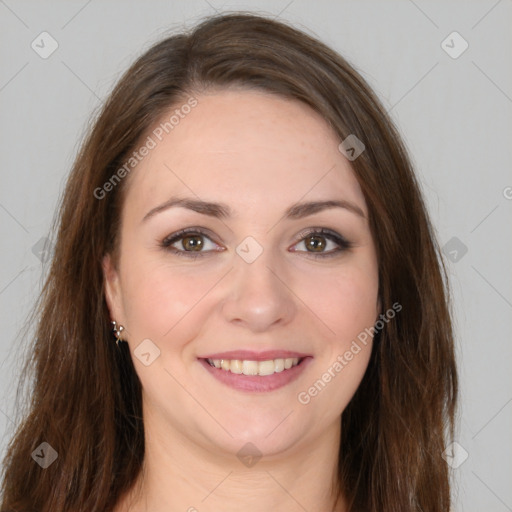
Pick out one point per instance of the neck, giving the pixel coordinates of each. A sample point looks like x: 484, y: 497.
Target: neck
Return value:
x: 178, y: 474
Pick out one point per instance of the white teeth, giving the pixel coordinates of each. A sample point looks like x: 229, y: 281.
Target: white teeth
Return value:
x: 266, y: 367
x: 278, y: 365
x: 248, y: 367
x: 236, y: 366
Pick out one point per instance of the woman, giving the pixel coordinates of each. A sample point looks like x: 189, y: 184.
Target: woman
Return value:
x: 246, y: 305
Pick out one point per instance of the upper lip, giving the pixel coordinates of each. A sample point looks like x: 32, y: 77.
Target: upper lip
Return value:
x: 251, y: 355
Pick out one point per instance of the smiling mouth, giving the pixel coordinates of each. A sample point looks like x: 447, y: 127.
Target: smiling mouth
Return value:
x: 261, y: 368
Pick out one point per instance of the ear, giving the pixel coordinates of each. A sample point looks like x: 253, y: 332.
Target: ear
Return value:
x: 113, y: 294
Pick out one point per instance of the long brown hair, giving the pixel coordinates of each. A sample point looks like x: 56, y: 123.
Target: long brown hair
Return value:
x: 86, y: 399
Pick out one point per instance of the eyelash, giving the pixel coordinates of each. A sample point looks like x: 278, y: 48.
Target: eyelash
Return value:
x: 326, y: 233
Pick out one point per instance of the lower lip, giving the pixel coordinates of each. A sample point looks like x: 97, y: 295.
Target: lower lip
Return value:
x: 257, y: 383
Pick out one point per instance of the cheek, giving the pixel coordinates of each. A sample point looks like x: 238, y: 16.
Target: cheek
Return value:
x: 345, y: 301
x: 353, y: 305
x: 160, y: 299
x: 344, y: 298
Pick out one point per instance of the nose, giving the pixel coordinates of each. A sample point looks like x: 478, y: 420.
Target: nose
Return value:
x: 259, y: 296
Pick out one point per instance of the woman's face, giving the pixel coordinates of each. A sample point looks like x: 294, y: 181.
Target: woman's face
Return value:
x: 249, y: 285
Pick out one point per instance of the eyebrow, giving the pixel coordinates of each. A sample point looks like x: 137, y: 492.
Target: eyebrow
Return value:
x: 223, y: 211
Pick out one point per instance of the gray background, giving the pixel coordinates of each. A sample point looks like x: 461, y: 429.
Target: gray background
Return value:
x: 454, y: 114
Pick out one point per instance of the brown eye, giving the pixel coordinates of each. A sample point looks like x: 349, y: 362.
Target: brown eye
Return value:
x: 192, y: 243
x: 316, y: 243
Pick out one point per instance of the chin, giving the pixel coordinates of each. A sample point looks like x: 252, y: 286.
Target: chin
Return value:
x: 270, y: 437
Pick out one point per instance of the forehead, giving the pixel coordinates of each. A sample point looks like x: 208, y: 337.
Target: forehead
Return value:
x: 248, y: 149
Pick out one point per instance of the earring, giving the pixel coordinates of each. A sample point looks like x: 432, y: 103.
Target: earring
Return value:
x: 117, y: 329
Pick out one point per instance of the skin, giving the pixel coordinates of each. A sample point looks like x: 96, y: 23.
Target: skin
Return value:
x: 259, y: 154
